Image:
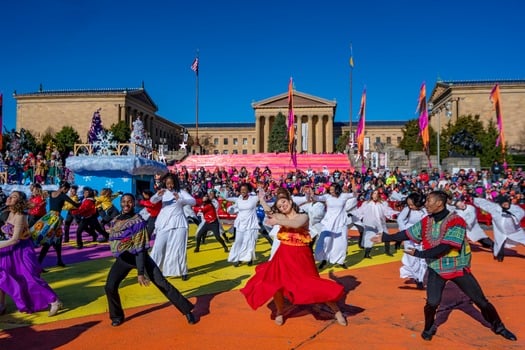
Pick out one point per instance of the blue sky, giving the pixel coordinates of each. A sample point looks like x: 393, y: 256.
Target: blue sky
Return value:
x: 249, y: 49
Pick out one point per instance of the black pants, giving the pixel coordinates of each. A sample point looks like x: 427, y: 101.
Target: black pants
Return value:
x: 213, y: 227
x: 121, y: 268
x: 107, y: 215
x: 91, y: 226
x: 58, y: 249
x: 67, y: 224
x: 470, y: 286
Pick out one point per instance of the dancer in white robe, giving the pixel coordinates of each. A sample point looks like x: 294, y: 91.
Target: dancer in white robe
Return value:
x: 246, y: 227
x: 332, y: 243
x: 474, y: 231
x: 506, y: 218
x: 412, y: 213
x: 373, y: 213
x: 171, y: 229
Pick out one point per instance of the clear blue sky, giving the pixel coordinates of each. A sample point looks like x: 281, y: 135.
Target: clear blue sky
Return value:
x: 249, y: 49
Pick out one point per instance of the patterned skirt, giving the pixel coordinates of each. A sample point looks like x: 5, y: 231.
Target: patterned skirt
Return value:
x: 48, y: 229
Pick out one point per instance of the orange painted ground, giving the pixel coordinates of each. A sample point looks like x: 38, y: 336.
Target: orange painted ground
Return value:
x: 383, y: 312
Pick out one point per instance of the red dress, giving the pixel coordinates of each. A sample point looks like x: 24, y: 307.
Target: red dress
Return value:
x: 292, y: 270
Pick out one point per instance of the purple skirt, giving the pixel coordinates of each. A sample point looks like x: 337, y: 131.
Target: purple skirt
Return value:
x: 20, y: 278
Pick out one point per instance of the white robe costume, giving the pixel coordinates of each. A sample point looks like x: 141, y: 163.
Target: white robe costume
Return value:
x: 412, y: 267
x: 246, y: 229
x: 171, y: 229
x: 374, y: 215
x: 506, y: 227
x: 332, y: 244
x: 474, y: 231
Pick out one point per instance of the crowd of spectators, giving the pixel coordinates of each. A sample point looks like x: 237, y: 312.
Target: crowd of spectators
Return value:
x: 393, y: 185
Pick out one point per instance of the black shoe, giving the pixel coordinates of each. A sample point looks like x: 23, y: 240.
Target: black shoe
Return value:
x: 102, y: 240
x: 116, y: 323
x: 505, y: 333
x: 185, y: 277
x: 427, y: 335
x: 61, y: 264
x: 343, y: 266
x: 190, y: 318
x: 250, y: 263
x: 420, y: 285
x: 322, y: 265
x: 196, y: 250
x: 79, y: 247
x: 226, y: 250
x: 236, y: 264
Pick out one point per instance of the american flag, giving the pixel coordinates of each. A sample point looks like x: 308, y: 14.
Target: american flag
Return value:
x: 195, y: 65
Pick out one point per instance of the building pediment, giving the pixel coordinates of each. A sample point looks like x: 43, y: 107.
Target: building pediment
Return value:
x: 300, y: 100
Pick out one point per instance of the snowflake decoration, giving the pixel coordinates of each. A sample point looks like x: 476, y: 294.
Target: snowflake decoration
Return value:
x: 109, y: 183
x: 87, y: 178
x: 105, y: 145
x: 125, y: 179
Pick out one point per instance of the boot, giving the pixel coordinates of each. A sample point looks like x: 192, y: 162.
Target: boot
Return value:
x: 387, y: 249
x: 397, y: 246
x: 486, y: 243
x: 361, y: 233
x: 430, y: 314
x: 501, y: 254
x: 367, y: 253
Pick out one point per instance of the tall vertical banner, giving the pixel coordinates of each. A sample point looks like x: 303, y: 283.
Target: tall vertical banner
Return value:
x: 292, y: 147
x: 423, y: 121
x: 496, y: 101
x: 1, y: 121
x: 360, y: 132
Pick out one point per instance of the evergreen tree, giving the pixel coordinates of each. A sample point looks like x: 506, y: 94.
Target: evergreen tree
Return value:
x: 412, y: 142
x: 342, y: 142
x: 96, y: 128
x: 121, y: 131
x: 278, y: 139
x: 66, y: 139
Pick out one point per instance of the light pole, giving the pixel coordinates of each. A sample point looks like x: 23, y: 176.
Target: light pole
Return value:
x: 448, y: 113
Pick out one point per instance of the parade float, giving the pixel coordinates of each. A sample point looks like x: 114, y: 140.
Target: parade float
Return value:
x: 106, y: 163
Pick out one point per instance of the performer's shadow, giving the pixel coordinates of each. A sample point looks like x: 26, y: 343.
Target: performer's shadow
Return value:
x: 322, y: 311
x: 454, y: 299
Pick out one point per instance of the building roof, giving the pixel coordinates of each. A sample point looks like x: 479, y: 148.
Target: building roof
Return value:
x: 300, y: 100
x: 137, y: 93
x: 371, y: 123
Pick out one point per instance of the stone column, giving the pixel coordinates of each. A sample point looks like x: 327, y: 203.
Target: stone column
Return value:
x: 330, y: 134
x: 299, y: 134
x: 319, y: 133
x: 310, y: 133
x: 258, y: 135
x: 266, y: 133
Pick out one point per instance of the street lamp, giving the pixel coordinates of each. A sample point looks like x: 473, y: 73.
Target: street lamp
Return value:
x: 448, y: 113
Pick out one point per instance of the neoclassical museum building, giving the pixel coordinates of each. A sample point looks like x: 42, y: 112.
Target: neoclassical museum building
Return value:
x: 48, y: 111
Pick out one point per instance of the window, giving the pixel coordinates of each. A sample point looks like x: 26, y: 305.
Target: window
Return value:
x: 245, y: 141
x: 253, y: 141
x: 216, y: 141
x: 398, y: 140
x: 235, y: 141
x: 225, y: 142
x: 388, y: 140
x: 378, y: 139
x: 235, y: 151
x: 216, y: 151
x: 244, y: 151
x: 225, y: 151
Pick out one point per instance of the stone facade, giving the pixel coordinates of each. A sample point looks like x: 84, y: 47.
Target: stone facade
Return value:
x: 472, y: 98
x: 45, y: 112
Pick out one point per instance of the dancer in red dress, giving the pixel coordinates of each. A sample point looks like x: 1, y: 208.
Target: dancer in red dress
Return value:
x: 292, y: 272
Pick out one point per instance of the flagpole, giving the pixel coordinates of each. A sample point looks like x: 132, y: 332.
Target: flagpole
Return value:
x: 197, y: 102
x: 351, y: 134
